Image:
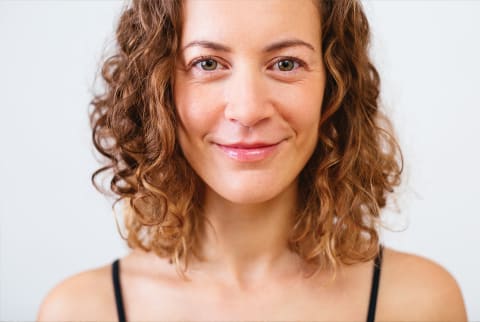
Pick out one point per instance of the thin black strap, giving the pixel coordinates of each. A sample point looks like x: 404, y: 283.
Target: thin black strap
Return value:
x: 118, y: 291
x: 374, y: 290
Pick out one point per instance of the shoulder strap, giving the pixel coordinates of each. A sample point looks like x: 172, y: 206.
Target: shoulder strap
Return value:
x: 118, y: 291
x: 374, y: 290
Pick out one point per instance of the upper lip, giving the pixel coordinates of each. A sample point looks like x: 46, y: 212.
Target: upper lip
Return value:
x: 248, y: 145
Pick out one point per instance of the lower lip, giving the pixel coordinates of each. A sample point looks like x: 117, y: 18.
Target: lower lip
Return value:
x: 249, y: 154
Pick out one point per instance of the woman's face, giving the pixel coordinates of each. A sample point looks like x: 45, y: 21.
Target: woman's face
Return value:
x: 248, y: 90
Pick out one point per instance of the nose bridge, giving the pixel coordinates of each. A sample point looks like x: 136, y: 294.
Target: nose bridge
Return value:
x: 247, y: 96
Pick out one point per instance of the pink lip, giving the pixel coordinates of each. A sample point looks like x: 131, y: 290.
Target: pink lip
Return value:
x: 248, y: 152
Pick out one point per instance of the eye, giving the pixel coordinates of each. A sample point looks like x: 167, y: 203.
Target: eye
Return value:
x: 286, y: 65
x: 208, y: 64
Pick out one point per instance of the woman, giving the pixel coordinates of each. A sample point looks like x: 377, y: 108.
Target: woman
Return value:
x: 252, y: 161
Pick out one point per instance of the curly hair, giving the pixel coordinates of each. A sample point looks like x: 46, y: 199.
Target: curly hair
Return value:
x: 342, y: 189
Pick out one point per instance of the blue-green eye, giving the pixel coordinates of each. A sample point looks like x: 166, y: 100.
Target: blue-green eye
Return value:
x: 208, y: 64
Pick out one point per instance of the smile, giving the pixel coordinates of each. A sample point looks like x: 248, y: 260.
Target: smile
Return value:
x: 249, y: 153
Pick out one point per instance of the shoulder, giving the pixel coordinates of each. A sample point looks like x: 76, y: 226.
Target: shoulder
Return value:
x: 86, y: 296
x: 416, y: 288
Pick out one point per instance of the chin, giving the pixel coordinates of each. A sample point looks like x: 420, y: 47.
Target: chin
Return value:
x: 250, y: 192
x: 247, y: 197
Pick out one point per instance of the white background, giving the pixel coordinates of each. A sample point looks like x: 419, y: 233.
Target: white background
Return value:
x: 54, y: 224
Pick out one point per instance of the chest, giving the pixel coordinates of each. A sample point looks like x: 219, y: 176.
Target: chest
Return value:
x: 278, y: 302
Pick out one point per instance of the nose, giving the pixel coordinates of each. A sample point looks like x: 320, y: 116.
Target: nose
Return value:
x: 247, y: 97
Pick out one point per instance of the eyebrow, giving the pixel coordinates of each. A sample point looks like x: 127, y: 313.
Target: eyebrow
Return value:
x: 270, y: 48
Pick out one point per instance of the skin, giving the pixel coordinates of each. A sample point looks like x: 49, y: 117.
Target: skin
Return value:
x: 249, y: 274
x: 249, y: 97
x: 412, y: 288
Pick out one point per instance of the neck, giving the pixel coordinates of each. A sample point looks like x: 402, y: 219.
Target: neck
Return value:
x: 248, y: 242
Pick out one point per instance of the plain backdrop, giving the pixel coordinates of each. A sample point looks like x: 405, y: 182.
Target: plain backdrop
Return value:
x: 54, y: 224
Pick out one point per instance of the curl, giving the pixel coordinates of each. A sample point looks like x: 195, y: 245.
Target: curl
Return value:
x: 342, y: 189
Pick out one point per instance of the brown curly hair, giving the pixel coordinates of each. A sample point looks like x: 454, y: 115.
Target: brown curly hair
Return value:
x: 342, y: 189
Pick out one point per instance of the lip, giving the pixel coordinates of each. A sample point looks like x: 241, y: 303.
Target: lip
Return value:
x: 248, y: 152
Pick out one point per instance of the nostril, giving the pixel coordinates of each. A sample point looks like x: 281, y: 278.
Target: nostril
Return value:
x: 240, y: 124
x: 248, y: 112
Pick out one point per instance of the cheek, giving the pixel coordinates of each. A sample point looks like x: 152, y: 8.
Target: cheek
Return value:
x: 301, y: 107
x: 198, y: 107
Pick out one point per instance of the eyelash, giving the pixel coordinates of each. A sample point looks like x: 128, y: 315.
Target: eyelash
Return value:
x: 301, y: 63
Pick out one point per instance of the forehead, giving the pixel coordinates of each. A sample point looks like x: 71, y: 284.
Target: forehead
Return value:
x: 250, y: 22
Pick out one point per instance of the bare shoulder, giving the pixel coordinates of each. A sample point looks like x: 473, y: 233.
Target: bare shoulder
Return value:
x: 87, y: 296
x: 416, y: 288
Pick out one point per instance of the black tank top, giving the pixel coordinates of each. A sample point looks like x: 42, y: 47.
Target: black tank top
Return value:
x: 371, y: 306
